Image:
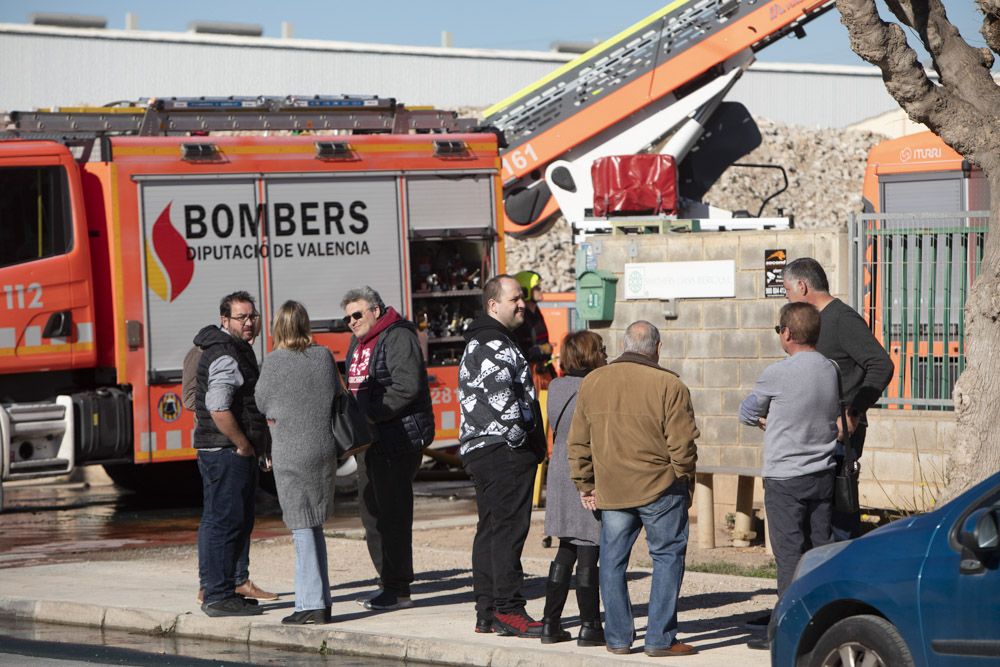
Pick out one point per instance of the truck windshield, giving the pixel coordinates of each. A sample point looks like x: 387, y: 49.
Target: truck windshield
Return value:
x: 34, y: 214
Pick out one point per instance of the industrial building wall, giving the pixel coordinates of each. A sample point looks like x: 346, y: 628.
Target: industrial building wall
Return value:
x: 719, y: 346
x: 42, y: 67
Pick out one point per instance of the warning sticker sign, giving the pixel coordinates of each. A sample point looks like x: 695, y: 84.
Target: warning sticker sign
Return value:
x: 774, y: 271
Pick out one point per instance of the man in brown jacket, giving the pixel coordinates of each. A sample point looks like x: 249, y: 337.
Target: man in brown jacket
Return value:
x: 632, y: 456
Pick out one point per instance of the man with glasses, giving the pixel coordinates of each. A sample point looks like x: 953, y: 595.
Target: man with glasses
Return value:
x: 229, y: 434
x: 387, y: 374
x: 796, y: 401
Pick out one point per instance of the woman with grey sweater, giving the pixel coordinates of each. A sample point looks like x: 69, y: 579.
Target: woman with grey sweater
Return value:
x: 296, y: 389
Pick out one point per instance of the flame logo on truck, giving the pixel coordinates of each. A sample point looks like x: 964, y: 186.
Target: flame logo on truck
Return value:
x: 169, y: 269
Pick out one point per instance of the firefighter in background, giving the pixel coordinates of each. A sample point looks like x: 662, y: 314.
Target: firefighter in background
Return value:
x: 533, y: 336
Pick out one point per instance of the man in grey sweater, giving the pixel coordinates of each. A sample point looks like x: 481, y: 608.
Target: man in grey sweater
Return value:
x: 797, y: 403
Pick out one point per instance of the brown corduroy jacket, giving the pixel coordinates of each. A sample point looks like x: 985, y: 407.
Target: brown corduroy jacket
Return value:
x: 633, y: 433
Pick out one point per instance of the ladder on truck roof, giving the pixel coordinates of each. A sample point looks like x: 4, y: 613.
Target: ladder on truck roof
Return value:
x: 186, y: 115
x: 676, y: 50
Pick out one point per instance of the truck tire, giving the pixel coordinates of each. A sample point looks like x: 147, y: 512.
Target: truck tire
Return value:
x: 867, y: 639
x: 179, y: 480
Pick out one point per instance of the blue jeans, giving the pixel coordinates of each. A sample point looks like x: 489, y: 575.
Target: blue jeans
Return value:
x: 312, y: 579
x: 666, y: 523
x: 229, y: 482
x: 242, y: 564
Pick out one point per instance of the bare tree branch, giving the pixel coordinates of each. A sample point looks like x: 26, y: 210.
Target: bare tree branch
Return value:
x: 884, y: 45
x: 964, y: 71
x: 991, y: 23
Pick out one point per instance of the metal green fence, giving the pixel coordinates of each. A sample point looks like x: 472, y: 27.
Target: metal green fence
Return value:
x: 911, y: 273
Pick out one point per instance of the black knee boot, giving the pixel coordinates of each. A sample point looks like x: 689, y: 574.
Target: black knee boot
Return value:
x: 556, y: 590
x: 589, y: 598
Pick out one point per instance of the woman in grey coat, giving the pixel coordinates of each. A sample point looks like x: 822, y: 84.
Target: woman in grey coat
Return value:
x: 297, y: 385
x: 577, y: 528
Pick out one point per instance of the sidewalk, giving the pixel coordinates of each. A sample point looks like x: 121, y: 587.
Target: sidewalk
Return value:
x: 153, y: 591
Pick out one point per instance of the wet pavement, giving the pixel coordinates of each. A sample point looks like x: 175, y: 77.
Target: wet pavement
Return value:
x: 52, y: 522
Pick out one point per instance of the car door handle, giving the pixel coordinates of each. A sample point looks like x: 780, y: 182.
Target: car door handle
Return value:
x: 60, y: 325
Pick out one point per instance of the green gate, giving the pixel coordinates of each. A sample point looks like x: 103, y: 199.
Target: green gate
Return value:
x: 911, y: 275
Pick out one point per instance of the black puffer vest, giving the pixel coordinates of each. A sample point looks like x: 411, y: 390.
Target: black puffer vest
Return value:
x: 216, y: 343
x: 413, y: 428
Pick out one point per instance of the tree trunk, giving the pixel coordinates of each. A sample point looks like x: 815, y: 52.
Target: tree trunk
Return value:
x: 976, y: 452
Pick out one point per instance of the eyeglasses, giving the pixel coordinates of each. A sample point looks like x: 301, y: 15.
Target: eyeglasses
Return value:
x: 778, y: 328
x: 356, y: 315
x: 243, y: 318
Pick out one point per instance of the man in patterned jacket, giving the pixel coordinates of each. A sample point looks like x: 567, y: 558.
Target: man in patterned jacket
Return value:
x: 496, y: 392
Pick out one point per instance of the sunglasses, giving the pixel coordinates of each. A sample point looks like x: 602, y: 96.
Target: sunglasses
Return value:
x: 356, y: 316
x: 243, y: 318
x: 778, y: 328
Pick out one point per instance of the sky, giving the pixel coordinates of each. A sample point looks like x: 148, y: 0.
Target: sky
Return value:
x: 514, y: 24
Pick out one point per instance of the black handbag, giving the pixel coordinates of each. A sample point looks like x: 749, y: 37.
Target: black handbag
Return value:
x: 350, y: 426
x: 845, y: 485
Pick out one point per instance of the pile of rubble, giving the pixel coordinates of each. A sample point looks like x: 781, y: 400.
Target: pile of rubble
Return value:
x: 825, y: 171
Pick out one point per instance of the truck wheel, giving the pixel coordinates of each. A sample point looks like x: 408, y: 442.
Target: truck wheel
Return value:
x: 176, y: 480
x: 861, y: 640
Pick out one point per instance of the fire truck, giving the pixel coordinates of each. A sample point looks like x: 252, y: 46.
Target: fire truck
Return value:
x: 121, y: 228
x: 656, y: 87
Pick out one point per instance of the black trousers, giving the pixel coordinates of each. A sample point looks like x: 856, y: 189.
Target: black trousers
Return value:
x: 503, y: 479
x: 385, y: 501
x: 798, y: 518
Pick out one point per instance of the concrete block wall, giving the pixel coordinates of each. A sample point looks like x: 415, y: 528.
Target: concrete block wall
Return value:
x: 719, y: 347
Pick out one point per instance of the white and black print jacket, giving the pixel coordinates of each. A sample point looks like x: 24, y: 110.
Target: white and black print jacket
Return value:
x: 495, y: 389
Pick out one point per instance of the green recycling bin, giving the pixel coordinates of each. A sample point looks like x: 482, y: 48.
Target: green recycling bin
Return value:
x: 595, y: 296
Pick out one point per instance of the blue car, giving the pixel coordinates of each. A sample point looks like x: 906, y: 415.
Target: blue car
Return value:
x: 922, y: 591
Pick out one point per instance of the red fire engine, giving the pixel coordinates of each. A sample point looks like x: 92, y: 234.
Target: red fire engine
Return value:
x: 121, y: 229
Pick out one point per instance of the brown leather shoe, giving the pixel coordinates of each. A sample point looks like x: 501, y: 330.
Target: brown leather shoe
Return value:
x: 676, y: 649
x: 248, y: 589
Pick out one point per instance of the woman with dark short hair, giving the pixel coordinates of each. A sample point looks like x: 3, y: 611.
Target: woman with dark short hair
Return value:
x: 298, y: 383
x: 577, y: 528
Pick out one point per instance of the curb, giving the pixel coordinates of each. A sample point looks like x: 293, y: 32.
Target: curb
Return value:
x: 301, y: 638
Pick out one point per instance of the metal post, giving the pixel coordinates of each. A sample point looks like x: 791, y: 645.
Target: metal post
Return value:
x: 946, y: 382
x: 917, y: 307
x: 962, y: 297
x: 929, y: 389
x: 903, y: 320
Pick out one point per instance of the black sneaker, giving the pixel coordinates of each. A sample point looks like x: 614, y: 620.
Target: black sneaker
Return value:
x: 387, y: 600
x: 517, y: 624
x: 758, y: 623
x: 759, y: 644
x: 231, y: 606
x: 484, y: 625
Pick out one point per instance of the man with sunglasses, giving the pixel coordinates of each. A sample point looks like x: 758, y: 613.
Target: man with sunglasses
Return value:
x: 230, y: 431
x: 387, y: 374
x: 796, y: 401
